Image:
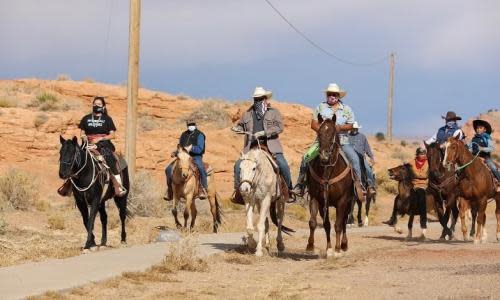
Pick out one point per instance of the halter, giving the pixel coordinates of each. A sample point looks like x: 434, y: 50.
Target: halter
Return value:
x: 250, y: 182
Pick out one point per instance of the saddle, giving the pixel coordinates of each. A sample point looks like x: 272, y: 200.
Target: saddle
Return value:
x: 121, y: 163
x: 282, y: 188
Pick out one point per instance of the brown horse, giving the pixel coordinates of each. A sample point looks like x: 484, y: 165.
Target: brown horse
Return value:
x: 330, y: 183
x: 475, y: 183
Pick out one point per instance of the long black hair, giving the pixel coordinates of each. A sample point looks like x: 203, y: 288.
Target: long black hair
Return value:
x: 105, y: 111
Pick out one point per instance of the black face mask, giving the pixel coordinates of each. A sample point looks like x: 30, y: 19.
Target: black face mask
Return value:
x: 97, y: 109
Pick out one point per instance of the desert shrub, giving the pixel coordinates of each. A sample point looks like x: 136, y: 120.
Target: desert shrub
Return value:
x: 40, y: 119
x: 89, y: 80
x: 184, y: 256
x: 404, y: 143
x: 63, y: 77
x: 56, y: 222
x: 148, y: 123
x: 18, y: 189
x: 385, y: 183
x: 42, y: 205
x: 299, y: 212
x: 69, y: 104
x: 380, y: 136
x: 400, y: 155
x: 145, y: 198
x: 5, y: 103
x: 210, y: 112
x: 182, y: 97
x: 3, y: 225
x: 45, y: 102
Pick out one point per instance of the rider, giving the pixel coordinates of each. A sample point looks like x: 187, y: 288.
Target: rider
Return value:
x: 99, y: 129
x: 345, y: 120
x: 483, y: 144
x: 265, y: 123
x: 360, y: 143
x: 195, y: 138
x: 420, y: 168
x: 450, y: 129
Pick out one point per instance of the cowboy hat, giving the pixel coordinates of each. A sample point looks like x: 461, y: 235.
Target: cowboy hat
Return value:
x: 483, y: 123
x: 451, y: 115
x: 261, y: 92
x: 420, y: 150
x: 334, y: 88
x: 355, y: 125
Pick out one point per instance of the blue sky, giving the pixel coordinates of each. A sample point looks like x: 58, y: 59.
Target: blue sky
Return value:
x: 447, y: 52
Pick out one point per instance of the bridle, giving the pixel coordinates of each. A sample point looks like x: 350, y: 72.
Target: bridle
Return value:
x: 252, y: 181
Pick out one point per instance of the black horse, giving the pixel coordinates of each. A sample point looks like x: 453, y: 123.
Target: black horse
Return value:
x: 91, y: 188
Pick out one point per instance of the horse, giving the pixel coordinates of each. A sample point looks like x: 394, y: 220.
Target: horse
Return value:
x: 185, y: 185
x: 333, y: 187
x: 370, y: 197
x: 405, y: 200
x: 260, y: 188
x: 443, y: 185
x: 90, y: 185
x: 476, y: 183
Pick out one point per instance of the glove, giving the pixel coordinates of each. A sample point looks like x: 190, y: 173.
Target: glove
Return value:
x: 236, y: 129
x: 259, y: 134
x: 481, y: 149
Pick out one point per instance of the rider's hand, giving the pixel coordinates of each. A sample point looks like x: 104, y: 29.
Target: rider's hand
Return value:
x: 173, y: 154
x: 481, y: 149
x: 84, y: 138
x: 259, y: 134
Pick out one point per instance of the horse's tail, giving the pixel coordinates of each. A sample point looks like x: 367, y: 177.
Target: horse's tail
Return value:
x: 274, y: 218
x: 219, y: 213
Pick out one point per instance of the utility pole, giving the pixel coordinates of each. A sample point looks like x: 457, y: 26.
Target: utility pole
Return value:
x: 132, y: 86
x: 390, y: 98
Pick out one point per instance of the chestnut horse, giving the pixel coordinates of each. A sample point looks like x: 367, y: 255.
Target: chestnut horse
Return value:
x: 475, y: 183
x: 330, y: 183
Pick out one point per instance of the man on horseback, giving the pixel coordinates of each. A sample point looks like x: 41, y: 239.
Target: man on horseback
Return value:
x: 360, y: 143
x: 450, y: 129
x: 264, y: 123
x: 345, y: 120
x: 99, y: 129
x: 482, y: 145
x: 195, y: 138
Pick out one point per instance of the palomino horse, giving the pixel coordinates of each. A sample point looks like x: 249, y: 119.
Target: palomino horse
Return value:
x: 185, y: 185
x: 334, y: 186
x: 475, y: 183
x: 443, y: 185
x: 259, y: 187
x: 90, y: 184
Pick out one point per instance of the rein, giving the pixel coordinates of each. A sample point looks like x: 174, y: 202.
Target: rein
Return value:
x: 95, y: 175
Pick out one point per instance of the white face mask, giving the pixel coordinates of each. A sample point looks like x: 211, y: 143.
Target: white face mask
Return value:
x: 191, y: 128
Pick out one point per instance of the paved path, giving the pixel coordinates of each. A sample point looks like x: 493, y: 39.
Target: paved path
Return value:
x: 21, y: 281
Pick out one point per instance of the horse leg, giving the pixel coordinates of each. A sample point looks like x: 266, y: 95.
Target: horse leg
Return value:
x: 121, y: 203
x: 84, y: 211
x: 194, y: 212
x: 189, y: 201
x: 104, y: 223
x: 267, y: 242
x: 261, y: 225
x: 214, y: 209
x: 175, y: 202
x: 313, y: 211
x: 250, y: 229
x: 481, y: 218
x: 280, y: 206
x: 90, y: 224
x: 473, y: 212
x: 344, y: 243
x: 454, y: 218
x: 350, y: 219
x: 328, y: 227
x: 360, y: 211
x: 410, y: 225
x: 497, y: 213
x: 367, y: 208
x: 463, y: 208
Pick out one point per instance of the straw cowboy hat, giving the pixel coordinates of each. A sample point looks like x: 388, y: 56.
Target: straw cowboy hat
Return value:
x: 451, y: 116
x: 355, y: 125
x: 261, y: 92
x: 334, y: 88
x: 483, y: 123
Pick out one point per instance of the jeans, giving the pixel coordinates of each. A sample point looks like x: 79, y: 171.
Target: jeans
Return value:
x: 369, y: 173
x: 353, y: 158
x: 418, y: 202
x: 489, y: 162
x: 282, y: 165
x: 198, y: 161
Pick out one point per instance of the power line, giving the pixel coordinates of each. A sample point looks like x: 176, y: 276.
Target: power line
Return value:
x: 315, y: 45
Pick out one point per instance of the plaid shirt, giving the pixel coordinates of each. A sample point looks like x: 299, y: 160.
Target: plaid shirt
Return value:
x: 360, y: 144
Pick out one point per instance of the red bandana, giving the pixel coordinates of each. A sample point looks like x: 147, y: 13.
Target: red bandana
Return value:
x: 419, y: 163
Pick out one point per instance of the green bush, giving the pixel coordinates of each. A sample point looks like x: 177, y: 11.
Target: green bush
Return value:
x: 380, y: 136
x: 45, y: 102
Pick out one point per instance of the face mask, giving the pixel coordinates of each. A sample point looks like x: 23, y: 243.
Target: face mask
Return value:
x: 191, y: 128
x: 451, y: 124
x: 98, y: 109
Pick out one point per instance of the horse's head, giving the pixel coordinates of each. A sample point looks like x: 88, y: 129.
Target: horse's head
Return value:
x: 69, y: 156
x: 434, y: 158
x: 400, y: 173
x: 451, y: 153
x: 248, y: 170
x: 327, y: 137
x: 184, y: 160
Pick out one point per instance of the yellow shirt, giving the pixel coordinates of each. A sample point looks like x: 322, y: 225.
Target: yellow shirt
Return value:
x: 420, y: 175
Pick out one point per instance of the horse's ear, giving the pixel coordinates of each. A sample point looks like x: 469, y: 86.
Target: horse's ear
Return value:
x: 334, y: 119
x: 242, y: 155
x: 179, y: 147
x: 188, y: 148
x: 61, y: 139
x: 74, y: 140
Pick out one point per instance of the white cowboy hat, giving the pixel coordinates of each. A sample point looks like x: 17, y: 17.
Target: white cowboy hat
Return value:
x: 355, y: 125
x: 261, y: 92
x: 334, y: 88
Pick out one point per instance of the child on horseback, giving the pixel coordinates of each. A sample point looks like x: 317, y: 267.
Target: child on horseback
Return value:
x: 195, y: 138
x: 482, y: 145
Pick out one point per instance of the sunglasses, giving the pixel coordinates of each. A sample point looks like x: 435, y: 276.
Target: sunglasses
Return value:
x: 259, y: 98
x: 336, y: 95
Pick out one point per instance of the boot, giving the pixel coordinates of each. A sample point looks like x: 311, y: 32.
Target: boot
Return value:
x: 65, y: 189
x: 391, y: 221
x: 120, y: 191
x: 360, y: 191
x: 202, y: 193
x: 236, y: 198
x: 372, y: 190
x: 298, y: 189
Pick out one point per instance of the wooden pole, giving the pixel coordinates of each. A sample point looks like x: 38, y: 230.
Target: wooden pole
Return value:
x: 390, y: 98
x: 132, y: 86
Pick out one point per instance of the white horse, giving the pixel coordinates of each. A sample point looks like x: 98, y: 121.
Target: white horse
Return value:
x: 260, y: 189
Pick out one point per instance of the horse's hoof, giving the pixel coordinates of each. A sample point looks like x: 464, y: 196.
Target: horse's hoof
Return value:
x: 476, y: 241
x: 337, y: 254
x: 123, y: 242
x: 367, y: 222
x: 310, y: 248
x: 281, y: 247
x: 259, y: 253
x: 103, y: 247
x: 398, y: 230
x: 94, y: 248
x: 329, y: 252
x: 86, y: 251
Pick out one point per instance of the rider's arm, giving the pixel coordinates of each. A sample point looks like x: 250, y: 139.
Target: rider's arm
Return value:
x: 315, y: 125
x: 368, y: 149
x: 200, y: 145
x: 110, y: 136
x: 490, y: 148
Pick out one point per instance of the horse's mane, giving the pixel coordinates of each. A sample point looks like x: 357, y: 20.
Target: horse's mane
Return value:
x: 409, y: 169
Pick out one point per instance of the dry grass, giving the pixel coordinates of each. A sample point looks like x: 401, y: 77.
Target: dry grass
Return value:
x: 42, y: 205
x: 298, y: 212
x: 210, y: 112
x: 228, y: 205
x: 386, y: 184
x: 183, y: 256
x: 40, y: 119
x: 45, y: 102
x: 18, y: 189
x: 145, y: 198
x: 3, y: 225
x: 6, y: 103
x: 239, y: 259
x: 400, y: 155
x: 148, y: 123
x: 56, y: 222
x: 63, y: 77
x: 50, y: 295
